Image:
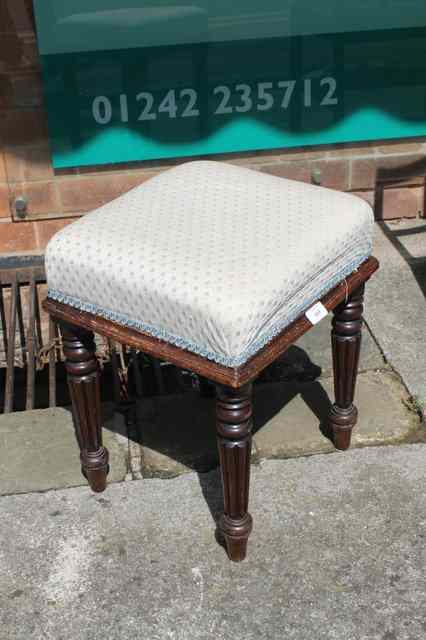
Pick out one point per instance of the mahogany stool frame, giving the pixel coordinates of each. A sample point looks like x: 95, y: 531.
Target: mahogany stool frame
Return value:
x: 234, y: 390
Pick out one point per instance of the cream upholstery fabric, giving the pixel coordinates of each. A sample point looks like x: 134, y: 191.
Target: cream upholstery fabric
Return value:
x: 211, y: 257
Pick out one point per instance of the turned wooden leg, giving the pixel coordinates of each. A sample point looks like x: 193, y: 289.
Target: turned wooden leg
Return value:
x: 346, y: 343
x: 234, y: 423
x: 84, y: 385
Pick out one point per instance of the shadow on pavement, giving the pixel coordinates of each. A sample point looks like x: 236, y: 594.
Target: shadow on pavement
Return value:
x: 393, y: 177
x: 181, y: 426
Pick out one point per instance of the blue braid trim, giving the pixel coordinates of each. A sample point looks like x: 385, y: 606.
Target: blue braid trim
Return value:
x: 205, y: 352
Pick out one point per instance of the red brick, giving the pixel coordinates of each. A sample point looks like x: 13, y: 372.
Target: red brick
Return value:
x: 3, y: 174
x: 368, y: 196
x: 409, y: 169
x: 300, y: 171
x: 80, y: 194
x: 352, y: 150
x: 19, y: 53
x: 23, y: 126
x: 397, y: 148
x: 241, y: 158
x: 43, y: 197
x: 27, y: 90
x: 137, y: 166
x: 6, y: 98
x: 45, y: 229
x: 334, y: 173
x: 364, y: 174
x: 6, y: 21
x: 4, y: 200
x: 301, y: 153
x: 11, y: 51
x: 68, y: 171
x: 16, y: 15
x: 31, y: 57
x: 16, y: 237
x: 28, y: 163
x: 401, y: 203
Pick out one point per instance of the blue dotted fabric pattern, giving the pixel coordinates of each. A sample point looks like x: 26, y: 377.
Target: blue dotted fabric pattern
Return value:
x: 211, y: 257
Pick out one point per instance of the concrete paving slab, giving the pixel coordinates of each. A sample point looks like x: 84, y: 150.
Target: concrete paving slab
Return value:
x: 38, y: 451
x: 395, y: 302
x: 177, y: 433
x: 317, y: 346
x: 337, y: 552
x: 296, y: 429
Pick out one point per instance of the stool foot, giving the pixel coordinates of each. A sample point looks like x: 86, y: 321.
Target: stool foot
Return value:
x: 236, y: 534
x: 342, y: 422
x: 346, y: 344
x: 234, y: 424
x: 84, y: 385
x: 94, y: 466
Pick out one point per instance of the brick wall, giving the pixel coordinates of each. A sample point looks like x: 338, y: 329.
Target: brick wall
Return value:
x: 56, y: 197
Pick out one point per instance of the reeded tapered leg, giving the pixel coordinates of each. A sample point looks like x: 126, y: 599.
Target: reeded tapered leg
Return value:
x: 84, y: 385
x: 234, y: 424
x: 346, y: 343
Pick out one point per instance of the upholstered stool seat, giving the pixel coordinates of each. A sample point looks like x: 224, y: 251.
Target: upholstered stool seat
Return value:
x: 213, y: 258
x: 217, y: 269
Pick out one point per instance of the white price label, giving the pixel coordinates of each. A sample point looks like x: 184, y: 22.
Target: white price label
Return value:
x: 316, y: 313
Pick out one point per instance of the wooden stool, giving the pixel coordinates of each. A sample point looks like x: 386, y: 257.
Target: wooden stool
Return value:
x: 218, y: 270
